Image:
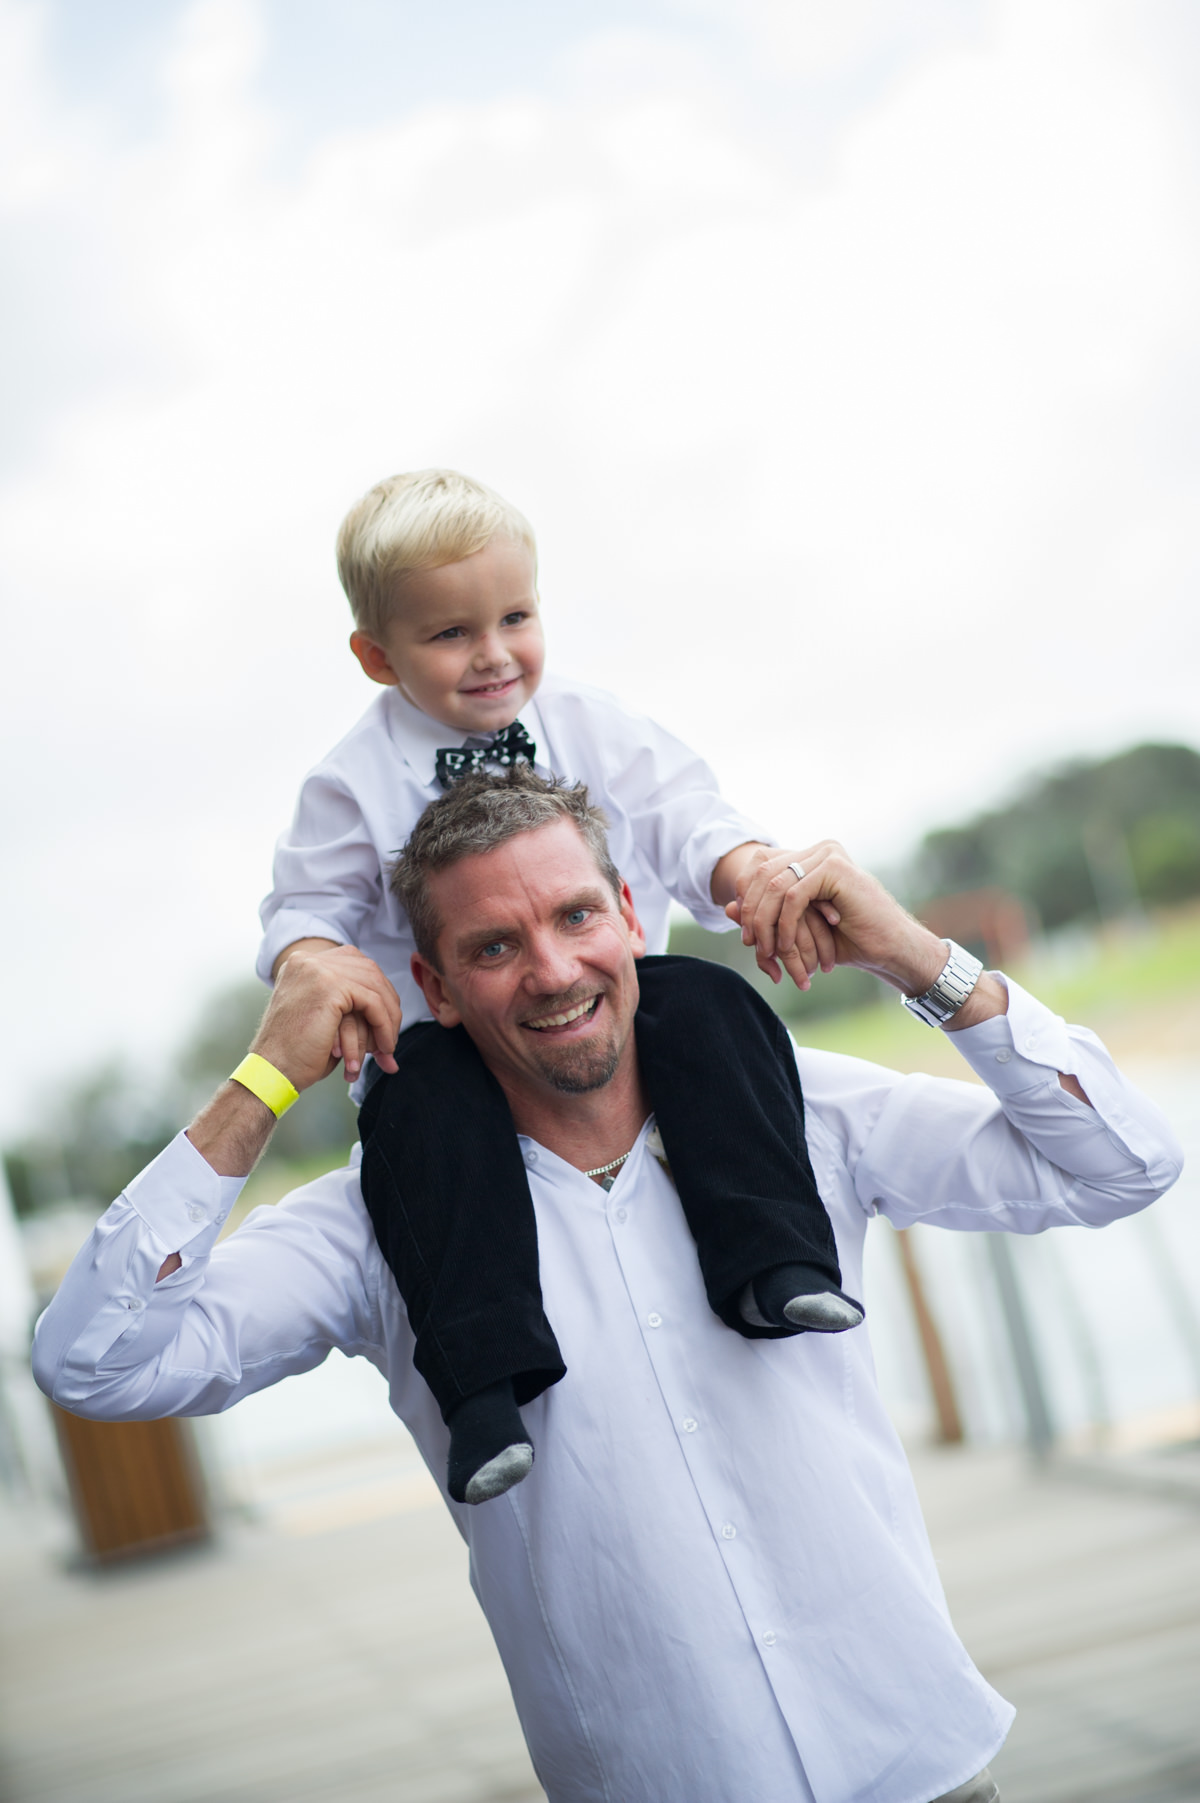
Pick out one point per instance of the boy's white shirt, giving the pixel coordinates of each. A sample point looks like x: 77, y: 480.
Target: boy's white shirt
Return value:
x: 669, y: 823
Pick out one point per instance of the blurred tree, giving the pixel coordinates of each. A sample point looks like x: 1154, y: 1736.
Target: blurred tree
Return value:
x: 106, y: 1127
x: 1091, y: 840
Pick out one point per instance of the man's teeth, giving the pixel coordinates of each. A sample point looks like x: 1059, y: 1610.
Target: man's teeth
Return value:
x: 564, y: 1020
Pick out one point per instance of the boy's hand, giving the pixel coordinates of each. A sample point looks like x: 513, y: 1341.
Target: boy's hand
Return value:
x: 769, y: 919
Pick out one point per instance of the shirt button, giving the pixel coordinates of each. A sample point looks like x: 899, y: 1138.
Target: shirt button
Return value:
x: 689, y: 1424
x: 653, y: 1320
x: 531, y: 1155
x: 622, y: 1214
x: 769, y: 1639
x: 195, y: 1214
x: 134, y: 1304
x: 1003, y: 1057
x: 729, y: 1532
x: 224, y: 1212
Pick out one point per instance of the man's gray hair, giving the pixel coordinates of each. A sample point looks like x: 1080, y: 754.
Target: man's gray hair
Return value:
x: 479, y: 813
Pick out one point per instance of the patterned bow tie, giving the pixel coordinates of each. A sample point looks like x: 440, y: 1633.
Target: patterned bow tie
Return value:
x: 507, y: 748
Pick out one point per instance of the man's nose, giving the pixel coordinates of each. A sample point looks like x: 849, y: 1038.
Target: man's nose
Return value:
x: 551, y: 967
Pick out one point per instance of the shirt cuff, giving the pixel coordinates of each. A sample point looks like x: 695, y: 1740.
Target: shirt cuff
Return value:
x: 287, y: 926
x: 182, y: 1200
x: 704, y: 852
x: 1015, y: 1051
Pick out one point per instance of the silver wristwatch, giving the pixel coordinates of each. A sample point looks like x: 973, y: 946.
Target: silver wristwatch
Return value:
x: 944, y: 999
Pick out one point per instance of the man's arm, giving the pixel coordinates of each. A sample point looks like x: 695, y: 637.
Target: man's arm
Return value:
x: 838, y: 914
x: 316, y: 990
x: 142, y: 1325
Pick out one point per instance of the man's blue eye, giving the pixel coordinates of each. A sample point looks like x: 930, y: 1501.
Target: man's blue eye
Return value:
x: 493, y: 950
x: 576, y: 917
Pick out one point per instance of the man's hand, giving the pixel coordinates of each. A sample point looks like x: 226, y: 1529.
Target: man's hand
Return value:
x: 839, y: 914
x: 352, y: 1041
x: 315, y: 992
x: 317, y: 989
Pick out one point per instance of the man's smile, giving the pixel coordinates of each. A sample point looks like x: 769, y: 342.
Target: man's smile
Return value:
x: 544, y: 1022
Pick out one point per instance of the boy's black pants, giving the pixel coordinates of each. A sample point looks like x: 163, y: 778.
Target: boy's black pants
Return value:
x: 445, y: 1184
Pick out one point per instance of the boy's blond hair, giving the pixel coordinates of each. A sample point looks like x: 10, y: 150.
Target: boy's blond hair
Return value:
x: 417, y: 521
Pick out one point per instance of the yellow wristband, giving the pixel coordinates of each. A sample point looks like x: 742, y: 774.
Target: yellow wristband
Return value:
x: 265, y: 1082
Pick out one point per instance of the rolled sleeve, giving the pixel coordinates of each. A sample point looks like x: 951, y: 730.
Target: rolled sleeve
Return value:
x: 110, y: 1312
x: 1028, y: 1155
x: 1019, y: 1056
x: 295, y: 1281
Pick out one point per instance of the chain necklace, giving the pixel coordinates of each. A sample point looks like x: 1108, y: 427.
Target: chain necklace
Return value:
x: 601, y: 1170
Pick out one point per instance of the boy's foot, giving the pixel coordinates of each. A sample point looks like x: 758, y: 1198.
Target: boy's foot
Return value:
x: 798, y: 1297
x: 489, y: 1448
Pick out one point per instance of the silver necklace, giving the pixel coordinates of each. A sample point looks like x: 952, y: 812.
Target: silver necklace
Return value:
x: 602, y: 1169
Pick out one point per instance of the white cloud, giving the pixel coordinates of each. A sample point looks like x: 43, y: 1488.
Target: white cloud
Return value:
x: 860, y: 484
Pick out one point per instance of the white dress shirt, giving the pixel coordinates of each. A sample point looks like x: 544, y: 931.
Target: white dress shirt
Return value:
x: 715, y: 1584
x: 669, y: 824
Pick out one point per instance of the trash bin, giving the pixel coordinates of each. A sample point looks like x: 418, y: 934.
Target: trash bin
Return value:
x: 136, y: 1486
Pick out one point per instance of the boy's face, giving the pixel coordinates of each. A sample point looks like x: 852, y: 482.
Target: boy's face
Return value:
x: 465, y: 643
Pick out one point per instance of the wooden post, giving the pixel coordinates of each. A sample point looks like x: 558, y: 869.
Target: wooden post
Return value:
x: 950, y: 1428
x: 135, y: 1485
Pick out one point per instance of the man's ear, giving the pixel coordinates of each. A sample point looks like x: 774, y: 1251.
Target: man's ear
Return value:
x: 429, y: 982
x: 637, y: 937
x: 373, y: 658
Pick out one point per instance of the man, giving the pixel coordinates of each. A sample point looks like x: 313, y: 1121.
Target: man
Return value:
x: 715, y: 1584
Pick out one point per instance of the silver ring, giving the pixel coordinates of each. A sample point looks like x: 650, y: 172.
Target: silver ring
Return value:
x: 799, y: 871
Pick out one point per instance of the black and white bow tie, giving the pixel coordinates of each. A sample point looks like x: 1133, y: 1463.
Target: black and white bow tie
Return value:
x: 506, y: 748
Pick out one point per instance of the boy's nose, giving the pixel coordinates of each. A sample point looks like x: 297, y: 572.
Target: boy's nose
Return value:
x: 489, y: 653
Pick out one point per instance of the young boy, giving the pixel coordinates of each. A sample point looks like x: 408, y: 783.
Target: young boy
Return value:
x: 441, y: 577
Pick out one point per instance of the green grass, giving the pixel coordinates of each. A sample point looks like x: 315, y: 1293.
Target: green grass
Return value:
x: 1118, y: 976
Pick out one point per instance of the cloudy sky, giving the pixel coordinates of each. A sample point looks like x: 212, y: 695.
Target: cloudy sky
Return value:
x: 847, y: 360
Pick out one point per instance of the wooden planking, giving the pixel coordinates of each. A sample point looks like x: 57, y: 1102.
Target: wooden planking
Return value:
x: 354, y: 1666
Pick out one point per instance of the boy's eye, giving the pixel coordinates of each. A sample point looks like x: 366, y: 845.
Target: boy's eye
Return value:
x: 516, y: 619
x: 451, y: 632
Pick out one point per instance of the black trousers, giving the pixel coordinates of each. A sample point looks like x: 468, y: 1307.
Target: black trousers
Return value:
x: 446, y: 1190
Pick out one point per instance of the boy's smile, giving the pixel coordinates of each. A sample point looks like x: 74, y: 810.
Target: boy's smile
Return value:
x: 465, y: 642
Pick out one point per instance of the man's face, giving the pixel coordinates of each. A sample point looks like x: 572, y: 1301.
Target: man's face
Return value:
x: 465, y: 643
x: 537, y: 962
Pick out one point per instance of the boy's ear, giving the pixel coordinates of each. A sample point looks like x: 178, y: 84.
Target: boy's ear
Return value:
x: 429, y: 982
x: 373, y: 658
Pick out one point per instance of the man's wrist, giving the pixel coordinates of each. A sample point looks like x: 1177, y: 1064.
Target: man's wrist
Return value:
x: 232, y: 1132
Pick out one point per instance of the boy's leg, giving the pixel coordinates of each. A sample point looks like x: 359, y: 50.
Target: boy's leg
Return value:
x: 721, y: 1075
x: 446, y: 1190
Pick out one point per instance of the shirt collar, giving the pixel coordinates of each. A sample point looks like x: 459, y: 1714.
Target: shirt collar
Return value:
x: 420, y: 737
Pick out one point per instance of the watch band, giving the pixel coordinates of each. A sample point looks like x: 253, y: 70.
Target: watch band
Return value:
x: 943, y: 999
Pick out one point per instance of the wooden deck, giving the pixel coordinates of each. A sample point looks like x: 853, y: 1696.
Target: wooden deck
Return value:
x: 331, y: 1651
